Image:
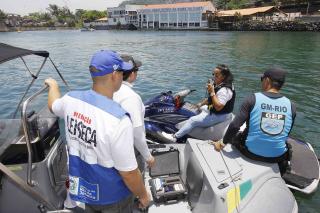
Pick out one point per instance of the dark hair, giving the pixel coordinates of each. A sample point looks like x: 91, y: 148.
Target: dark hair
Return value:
x: 126, y: 75
x: 225, y: 71
x: 276, y: 84
x: 134, y: 69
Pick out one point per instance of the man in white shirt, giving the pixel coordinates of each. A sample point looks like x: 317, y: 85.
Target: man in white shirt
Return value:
x: 132, y: 103
x: 103, y: 171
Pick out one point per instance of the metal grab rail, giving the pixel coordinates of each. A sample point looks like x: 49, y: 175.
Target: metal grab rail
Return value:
x: 26, y: 131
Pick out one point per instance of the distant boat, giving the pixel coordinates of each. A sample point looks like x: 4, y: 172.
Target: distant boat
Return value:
x: 19, y: 31
x: 85, y: 29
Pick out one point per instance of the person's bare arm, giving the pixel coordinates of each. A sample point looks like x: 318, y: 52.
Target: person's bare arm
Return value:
x: 215, y: 101
x: 203, y: 102
x: 133, y: 180
x: 54, y: 92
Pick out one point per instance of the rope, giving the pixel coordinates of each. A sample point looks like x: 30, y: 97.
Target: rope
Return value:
x: 234, y: 184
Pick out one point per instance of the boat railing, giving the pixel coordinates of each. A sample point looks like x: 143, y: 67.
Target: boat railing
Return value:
x: 35, y: 76
x: 24, y: 118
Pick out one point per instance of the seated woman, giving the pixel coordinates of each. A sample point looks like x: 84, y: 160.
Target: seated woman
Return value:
x: 220, y: 103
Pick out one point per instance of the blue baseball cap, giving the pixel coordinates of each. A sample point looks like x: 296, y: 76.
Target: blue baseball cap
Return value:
x: 107, y: 61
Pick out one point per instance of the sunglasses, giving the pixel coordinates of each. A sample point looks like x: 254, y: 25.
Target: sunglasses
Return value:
x: 216, y: 75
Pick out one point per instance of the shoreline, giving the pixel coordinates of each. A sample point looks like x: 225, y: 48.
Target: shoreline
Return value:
x: 280, y: 26
x: 20, y: 29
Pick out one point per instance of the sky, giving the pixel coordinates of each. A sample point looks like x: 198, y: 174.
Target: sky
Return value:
x: 23, y: 7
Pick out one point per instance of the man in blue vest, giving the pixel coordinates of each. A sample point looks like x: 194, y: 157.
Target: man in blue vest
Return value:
x: 269, y: 118
x: 103, y: 171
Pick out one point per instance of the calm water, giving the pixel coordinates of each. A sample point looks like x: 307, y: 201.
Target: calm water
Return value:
x: 179, y: 60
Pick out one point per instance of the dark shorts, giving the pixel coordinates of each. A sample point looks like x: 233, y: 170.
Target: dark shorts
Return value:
x: 124, y: 206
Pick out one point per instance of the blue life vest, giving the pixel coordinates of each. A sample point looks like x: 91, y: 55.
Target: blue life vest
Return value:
x: 269, y: 125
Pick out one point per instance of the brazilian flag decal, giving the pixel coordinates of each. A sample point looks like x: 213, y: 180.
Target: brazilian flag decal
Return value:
x: 235, y: 195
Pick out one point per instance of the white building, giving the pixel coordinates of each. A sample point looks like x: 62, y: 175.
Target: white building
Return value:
x: 124, y: 15
x: 131, y: 14
x: 188, y: 15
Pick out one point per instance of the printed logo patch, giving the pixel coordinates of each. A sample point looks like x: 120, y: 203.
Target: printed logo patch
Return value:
x: 272, y: 123
x: 73, y: 185
x: 115, y: 67
x: 82, y: 189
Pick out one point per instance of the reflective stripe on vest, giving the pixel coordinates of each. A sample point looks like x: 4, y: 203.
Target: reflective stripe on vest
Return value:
x: 269, y: 126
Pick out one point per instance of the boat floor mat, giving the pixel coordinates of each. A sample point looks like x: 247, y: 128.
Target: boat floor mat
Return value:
x: 304, y: 162
x: 296, y: 180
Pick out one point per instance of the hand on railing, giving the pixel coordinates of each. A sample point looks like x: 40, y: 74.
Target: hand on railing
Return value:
x: 50, y: 82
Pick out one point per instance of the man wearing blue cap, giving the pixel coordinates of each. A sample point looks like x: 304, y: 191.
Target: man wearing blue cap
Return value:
x: 269, y: 118
x: 103, y: 171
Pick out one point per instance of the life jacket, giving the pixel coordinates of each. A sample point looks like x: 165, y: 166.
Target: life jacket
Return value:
x: 228, y: 108
x: 269, y: 125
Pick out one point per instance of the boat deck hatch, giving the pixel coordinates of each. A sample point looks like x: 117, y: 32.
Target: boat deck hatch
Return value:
x: 220, y: 166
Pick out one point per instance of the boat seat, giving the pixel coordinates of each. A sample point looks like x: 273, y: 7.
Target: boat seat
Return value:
x: 190, y: 107
x: 42, y: 126
x: 215, y: 132
x: 296, y: 180
x: 302, y: 156
x: 299, y: 174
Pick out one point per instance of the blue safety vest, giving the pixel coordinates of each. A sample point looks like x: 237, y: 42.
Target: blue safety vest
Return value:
x: 269, y: 125
x: 92, y: 183
x: 95, y: 184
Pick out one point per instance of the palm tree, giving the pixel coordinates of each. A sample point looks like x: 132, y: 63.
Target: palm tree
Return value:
x: 3, y: 15
x: 54, y: 10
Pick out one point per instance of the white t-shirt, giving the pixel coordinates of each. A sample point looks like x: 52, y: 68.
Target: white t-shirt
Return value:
x: 132, y: 103
x: 97, y: 130
x: 224, y: 95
